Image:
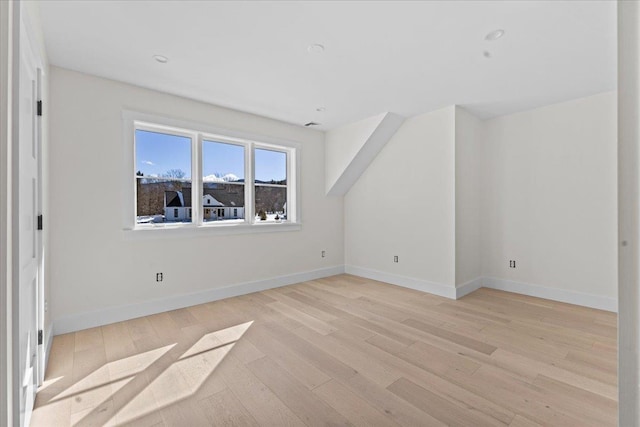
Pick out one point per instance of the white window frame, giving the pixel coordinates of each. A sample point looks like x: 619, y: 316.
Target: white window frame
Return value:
x: 199, y: 132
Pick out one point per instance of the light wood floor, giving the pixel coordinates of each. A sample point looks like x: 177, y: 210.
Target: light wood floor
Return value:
x: 341, y: 351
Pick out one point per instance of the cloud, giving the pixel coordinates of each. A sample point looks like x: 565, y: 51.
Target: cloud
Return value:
x: 217, y: 178
x: 148, y: 162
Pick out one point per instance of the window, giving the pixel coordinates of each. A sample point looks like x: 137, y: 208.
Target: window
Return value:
x: 223, y: 180
x: 197, y: 176
x: 163, y: 170
x: 270, y: 184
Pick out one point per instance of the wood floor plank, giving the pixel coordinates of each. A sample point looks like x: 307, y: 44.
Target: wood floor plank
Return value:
x: 440, y: 408
x: 117, y: 341
x: 259, y: 400
x: 452, y: 336
x: 88, y: 339
x: 578, y: 402
x: 304, y: 371
x: 351, y: 406
x: 341, y: 350
x: 366, y: 365
x: 311, y: 410
x: 391, y: 405
x: 224, y: 409
x: 431, y: 381
x: 520, y: 421
x: 302, y: 317
x: 309, y: 309
x: 314, y: 354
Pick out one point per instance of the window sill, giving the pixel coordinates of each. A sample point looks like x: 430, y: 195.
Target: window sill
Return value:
x: 160, y: 231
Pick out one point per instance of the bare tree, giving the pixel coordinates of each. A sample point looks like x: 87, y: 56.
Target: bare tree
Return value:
x: 174, y: 173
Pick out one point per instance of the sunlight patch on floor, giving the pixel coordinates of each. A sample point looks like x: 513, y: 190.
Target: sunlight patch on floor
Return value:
x: 134, y: 388
x: 185, y: 376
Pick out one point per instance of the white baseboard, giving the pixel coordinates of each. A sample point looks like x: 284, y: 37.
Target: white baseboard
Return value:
x: 555, y: 294
x: 468, y: 287
x: 77, y: 322
x: 406, y: 282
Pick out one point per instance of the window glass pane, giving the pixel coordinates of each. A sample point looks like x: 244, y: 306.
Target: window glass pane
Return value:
x: 270, y: 187
x: 161, y: 200
x: 271, y: 166
x: 271, y: 203
x: 223, y: 202
x: 163, y: 174
x: 222, y: 162
x: 163, y: 155
x: 223, y: 182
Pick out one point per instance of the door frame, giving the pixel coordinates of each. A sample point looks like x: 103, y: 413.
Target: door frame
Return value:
x: 6, y: 107
x: 21, y: 32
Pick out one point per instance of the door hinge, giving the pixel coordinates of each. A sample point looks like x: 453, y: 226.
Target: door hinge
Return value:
x: 40, y: 337
x: 39, y: 108
x: 39, y: 222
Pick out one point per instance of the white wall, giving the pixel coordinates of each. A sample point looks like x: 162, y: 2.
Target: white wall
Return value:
x: 403, y: 204
x: 344, y: 143
x: 468, y: 130
x: 95, y: 268
x: 549, y: 197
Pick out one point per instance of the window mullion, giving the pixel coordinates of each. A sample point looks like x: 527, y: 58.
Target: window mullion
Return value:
x: 196, y: 180
x: 291, y: 210
x: 249, y: 214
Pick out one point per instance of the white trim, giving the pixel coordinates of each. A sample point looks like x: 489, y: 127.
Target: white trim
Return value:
x: 209, y: 131
x: 555, y: 294
x: 404, y: 281
x: 14, y: 215
x: 81, y: 321
x: 199, y: 132
x: 468, y: 287
x: 163, y: 231
x: 561, y: 295
x: 6, y: 106
x: 49, y: 341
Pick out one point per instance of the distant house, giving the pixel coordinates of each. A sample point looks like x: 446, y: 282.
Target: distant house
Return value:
x: 217, y: 204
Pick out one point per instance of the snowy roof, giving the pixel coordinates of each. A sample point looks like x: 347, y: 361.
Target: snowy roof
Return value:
x: 223, y: 195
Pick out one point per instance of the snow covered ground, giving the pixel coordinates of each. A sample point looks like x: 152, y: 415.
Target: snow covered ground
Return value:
x: 156, y: 219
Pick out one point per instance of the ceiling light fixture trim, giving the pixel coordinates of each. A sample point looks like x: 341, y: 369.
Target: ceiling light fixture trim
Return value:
x: 315, y: 48
x: 494, y: 35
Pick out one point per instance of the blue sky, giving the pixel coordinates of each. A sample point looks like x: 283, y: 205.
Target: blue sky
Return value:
x: 156, y: 153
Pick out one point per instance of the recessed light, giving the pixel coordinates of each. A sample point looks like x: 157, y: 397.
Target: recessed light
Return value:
x: 320, y: 109
x: 494, y: 35
x: 315, y: 48
x: 161, y: 59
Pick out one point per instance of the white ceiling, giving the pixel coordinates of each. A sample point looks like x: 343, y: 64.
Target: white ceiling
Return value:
x: 403, y: 57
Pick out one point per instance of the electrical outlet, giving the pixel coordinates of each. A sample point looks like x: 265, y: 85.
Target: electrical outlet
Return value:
x: 159, y: 277
x: 324, y: 253
x: 46, y: 306
x: 512, y: 263
x: 395, y: 258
